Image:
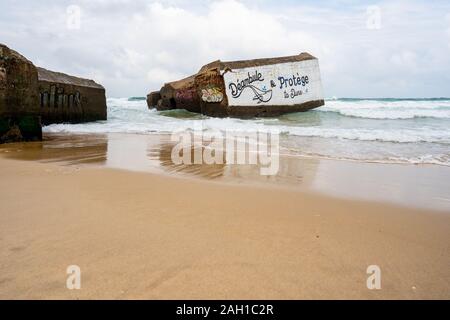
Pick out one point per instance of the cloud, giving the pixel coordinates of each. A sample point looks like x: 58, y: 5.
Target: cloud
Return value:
x: 132, y: 47
x: 160, y: 75
x: 448, y: 29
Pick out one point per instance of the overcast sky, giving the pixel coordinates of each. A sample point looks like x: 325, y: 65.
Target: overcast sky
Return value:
x: 365, y: 49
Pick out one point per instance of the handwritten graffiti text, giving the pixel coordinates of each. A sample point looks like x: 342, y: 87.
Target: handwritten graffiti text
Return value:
x: 294, y: 81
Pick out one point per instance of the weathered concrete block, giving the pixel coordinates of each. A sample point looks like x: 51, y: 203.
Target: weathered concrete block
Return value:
x: 28, y: 94
x: 180, y: 94
x: 152, y: 99
x: 19, y: 108
x: 65, y: 98
x: 249, y: 88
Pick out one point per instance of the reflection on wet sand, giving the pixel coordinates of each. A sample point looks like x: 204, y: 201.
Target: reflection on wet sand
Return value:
x: 65, y: 149
x: 163, y: 153
x: 422, y: 186
x: 291, y: 171
x: 151, y: 153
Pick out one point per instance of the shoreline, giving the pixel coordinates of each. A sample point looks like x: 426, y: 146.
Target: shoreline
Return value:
x: 146, y: 236
x: 410, y: 185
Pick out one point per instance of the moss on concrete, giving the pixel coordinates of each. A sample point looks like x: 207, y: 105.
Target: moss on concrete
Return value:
x: 19, y: 98
x: 4, y: 126
x: 30, y: 127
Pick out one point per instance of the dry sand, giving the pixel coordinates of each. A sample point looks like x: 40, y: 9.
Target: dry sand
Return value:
x: 146, y: 236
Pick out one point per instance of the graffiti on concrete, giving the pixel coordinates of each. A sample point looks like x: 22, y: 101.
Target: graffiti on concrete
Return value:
x: 185, y: 94
x: 261, y: 94
x: 277, y: 84
x: 212, y: 95
x: 58, y: 99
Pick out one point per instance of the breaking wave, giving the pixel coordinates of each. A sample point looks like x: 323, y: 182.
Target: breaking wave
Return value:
x: 390, y: 109
x: 422, y: 125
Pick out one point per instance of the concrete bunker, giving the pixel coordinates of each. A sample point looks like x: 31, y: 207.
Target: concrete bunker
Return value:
x: 65, y: 98
x: 31, y: 96
x: 19, y: 110
x: 247, y: 88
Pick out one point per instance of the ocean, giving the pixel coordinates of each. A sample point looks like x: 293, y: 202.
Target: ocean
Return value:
x: 415, y: 131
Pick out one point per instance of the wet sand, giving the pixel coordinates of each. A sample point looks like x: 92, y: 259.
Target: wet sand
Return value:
x: 416, y: 186
x: 163, y: 234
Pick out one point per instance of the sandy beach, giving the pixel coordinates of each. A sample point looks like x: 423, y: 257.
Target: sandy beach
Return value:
x: 147, y: 235
x: 225, y: 150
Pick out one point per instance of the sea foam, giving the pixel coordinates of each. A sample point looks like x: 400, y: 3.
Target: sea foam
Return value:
x: 420, y: 125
